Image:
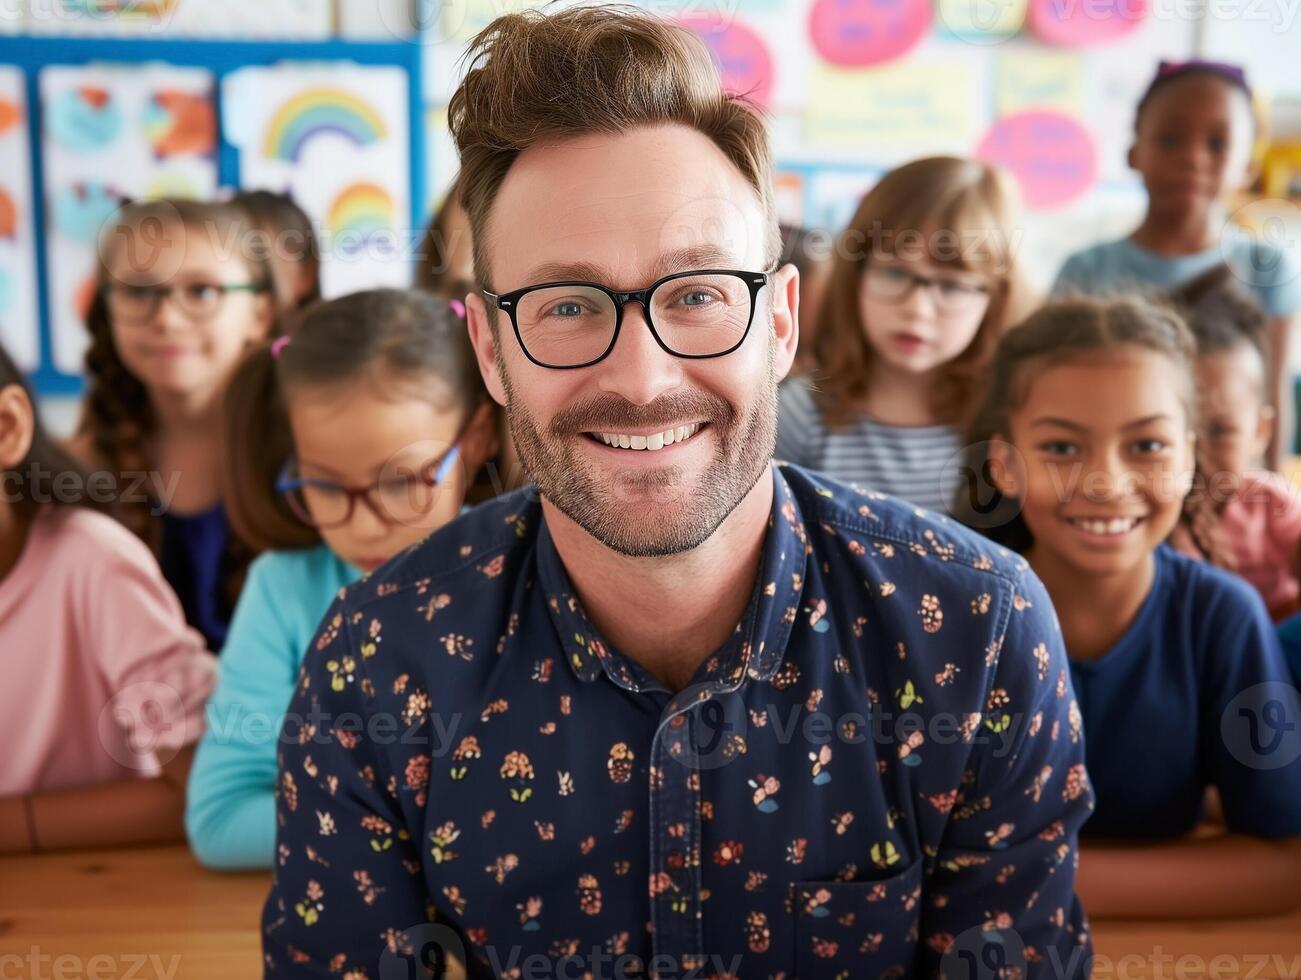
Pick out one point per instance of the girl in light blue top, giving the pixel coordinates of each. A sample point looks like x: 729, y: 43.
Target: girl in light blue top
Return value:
x: 347, y: 445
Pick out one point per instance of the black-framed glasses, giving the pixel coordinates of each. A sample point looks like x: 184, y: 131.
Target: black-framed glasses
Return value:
x: 895, y: 284
x: 406, y: 497
x: 574, y: 324
x: 136, y: 303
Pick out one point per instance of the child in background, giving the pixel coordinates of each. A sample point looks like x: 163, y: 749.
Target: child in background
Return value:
x: 446, y: 269
x: 293, y: 252
x: 349, y: 443
x: 446, y: 266
x: 1259, y: 528
x: 1083, y: 453
x: 1193, y: 133
x: 182, y: 294
x: 104, y: 683
x: 922, y: 284
x: 810, y: 250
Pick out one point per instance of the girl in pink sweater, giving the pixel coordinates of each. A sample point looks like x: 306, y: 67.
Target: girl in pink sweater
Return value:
x: 104, y: 683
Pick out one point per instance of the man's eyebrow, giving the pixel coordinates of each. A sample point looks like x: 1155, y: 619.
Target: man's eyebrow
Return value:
x: 675, y: 260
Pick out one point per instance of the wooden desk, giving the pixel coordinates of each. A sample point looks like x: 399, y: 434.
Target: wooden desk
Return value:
x: 123, y: 906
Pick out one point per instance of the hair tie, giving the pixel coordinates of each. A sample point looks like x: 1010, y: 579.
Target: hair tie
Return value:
x: 457, y: 307
x: 278, y: 345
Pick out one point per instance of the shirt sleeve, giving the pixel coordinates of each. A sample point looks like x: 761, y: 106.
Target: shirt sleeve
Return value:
x: 1005, y: 870
x: 158, y: 667
x: 230, y: 807
x: 347, y: 880
x: 1276, y: 278
x: 1253, y: 719
x: 799, y: 426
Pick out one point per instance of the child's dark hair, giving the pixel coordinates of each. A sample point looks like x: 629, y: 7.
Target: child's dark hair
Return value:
x: 433, y: 267
x: 45, y: 459
x: 1221, y: 314
x: 1168, y: 71
x: 397, y: 340
x: 1064, y: 330
x: 285, y: 229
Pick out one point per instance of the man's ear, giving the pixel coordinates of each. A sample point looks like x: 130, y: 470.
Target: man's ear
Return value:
x: 17, y: 426
x: 484, y: 340
x: 785, y: 287
x: 1006, y: 468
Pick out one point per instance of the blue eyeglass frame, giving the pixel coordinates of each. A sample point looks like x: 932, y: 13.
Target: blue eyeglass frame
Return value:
x: 508, y: 302
x: 286, y: 485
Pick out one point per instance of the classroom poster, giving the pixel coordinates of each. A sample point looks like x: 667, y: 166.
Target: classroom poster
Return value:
x: 897, y: 107
x: 19, y: 312
x: 111, y: 132
x: 245, y: 19
x: 335, y: 137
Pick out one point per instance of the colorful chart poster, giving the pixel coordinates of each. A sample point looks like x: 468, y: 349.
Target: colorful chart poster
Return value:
x: 1079, y: 23
x: 1039, y: 80
x: 981, y: 21
x: 110, y: 132
x: 1051, y: 155
x: 261, y: 19
x: 856, y: 33
x: 334, y: 136
x: 19, y: 309
x: 921, y: 105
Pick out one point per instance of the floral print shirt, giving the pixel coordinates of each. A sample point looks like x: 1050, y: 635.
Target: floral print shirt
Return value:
x: 880, y: 773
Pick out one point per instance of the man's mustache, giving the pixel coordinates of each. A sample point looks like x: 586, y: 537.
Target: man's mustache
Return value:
x: 610, y: 413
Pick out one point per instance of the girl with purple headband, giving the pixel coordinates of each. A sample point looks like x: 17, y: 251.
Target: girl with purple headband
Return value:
x: 1194, y: 130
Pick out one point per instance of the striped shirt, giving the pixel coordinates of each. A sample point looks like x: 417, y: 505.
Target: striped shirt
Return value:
x: 916, y: 463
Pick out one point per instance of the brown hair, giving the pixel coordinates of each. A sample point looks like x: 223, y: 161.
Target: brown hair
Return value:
x: 283, y: 225
x: 1220, y: 313
x: 535, y: 78
x: 44, y: 456
x: 935, y: 197
x: 1064, y: 330
x: 398, y: 340
x: 434, y: 272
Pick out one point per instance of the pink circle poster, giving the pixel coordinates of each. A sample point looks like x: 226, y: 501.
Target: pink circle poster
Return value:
x: 856, y: 33
x: 742, y: 57
x: 1051, y: 155
x: 1078, y: 23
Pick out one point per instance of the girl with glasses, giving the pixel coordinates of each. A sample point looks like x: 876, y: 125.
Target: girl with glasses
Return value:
x: 922, y: 282
x: 182, y: 291
x: 347, y: 444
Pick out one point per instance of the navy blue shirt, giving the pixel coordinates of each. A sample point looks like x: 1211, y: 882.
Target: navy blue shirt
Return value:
x: 193, y: 560
x: 1171, y: 709
x: 881, y: 767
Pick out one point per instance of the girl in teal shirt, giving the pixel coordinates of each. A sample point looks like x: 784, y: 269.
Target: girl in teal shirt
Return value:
x: 347, y: 445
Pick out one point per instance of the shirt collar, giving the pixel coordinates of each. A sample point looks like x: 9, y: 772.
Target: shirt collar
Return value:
x: 755, y: 649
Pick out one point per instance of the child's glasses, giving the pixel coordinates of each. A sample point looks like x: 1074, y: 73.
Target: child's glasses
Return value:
x: 138, y: 303
x: 406, y: 497
x: 895, y: 284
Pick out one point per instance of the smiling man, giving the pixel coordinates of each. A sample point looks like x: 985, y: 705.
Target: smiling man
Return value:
x: 676, y: 712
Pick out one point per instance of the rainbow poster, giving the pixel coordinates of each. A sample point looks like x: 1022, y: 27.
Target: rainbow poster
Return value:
x: 316, y: 112
x: 335, y: 137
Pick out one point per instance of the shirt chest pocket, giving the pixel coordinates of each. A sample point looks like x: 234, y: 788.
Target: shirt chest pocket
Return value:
x: 860, y: 929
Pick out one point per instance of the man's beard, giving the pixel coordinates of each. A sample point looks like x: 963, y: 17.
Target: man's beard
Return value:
x: 624, y: 512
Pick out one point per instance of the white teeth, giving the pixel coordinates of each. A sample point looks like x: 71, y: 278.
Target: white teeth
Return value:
x: 650, y: 443
x: 1117, y: 525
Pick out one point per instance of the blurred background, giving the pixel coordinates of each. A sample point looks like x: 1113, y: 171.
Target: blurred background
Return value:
x: 342, y: 103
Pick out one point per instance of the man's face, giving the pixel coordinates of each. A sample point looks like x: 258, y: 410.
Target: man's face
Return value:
x: 624, y: 211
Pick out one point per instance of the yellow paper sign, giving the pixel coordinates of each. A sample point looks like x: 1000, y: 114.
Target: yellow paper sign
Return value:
x: 916, y: 104
x: 1039, y: 80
